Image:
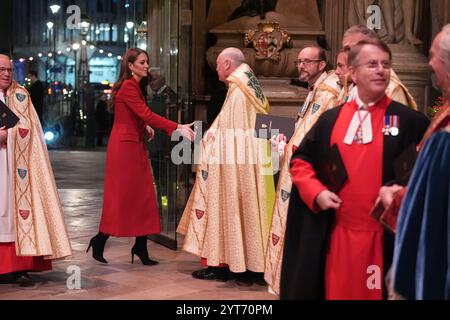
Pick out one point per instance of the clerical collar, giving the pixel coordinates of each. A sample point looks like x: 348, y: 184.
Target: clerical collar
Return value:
x: 360, y: 128
x: 361, y: 105
x: 318, y: 81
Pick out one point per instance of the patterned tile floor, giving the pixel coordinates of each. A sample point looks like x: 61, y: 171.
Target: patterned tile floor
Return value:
x: 79, y: 176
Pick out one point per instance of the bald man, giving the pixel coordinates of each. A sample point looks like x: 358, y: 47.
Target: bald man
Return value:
x: 32, y: 229
x: 226, y: 220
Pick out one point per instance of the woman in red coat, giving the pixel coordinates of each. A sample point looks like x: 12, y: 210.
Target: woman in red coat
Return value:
x: 129, y: 204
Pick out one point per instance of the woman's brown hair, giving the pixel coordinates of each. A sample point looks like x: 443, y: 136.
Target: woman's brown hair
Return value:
x: 130, y: 56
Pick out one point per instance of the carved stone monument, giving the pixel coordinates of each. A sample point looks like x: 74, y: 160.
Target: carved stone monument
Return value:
x: 270, y: 45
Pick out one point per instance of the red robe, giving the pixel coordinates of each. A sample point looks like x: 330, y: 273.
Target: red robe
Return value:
x: 10, y: 262
x: 356, y: 241
x: 307, y: 251
x: 129, y: 204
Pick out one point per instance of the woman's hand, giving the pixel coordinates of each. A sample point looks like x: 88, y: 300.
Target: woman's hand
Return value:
x: 150, y: 133
x: 186, y: 131
x: 3, y: 136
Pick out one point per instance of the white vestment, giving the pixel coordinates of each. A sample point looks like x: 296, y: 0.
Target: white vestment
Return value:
x: 6, y: 218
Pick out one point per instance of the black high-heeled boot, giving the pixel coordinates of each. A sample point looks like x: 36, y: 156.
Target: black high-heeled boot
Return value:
x: 98, y: 245
x: 140, y: 249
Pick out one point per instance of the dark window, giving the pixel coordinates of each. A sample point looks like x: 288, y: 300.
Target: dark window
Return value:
x: 114, y: 6
x: 100, y: 6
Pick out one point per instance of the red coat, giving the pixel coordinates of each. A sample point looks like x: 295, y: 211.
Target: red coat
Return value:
x: 129, y: 203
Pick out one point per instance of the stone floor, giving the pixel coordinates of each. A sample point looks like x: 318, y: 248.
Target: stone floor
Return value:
x: 79, y: 177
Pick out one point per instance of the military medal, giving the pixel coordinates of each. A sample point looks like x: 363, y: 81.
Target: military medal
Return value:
x: 386, y: 126
x: 394, y: 131
x: 391, y: 126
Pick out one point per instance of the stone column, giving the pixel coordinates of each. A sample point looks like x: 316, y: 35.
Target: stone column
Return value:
x: 334, y: 22
x: 199, y: 33
x: 440, y: 15
x: 184, y: 47
x: 412, y: 68
x: 446, y: 11
x: 155, y: 33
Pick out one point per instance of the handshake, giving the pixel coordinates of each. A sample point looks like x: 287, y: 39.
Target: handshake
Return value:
x: 184, y: 129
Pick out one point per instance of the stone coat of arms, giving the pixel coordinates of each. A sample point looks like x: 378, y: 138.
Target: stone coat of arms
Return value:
x: 268, y: 40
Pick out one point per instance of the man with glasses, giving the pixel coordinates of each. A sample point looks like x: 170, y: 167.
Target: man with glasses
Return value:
x: 311, y: 64
x: 395, y: 90
x: 333, y: 248
x: 32, y: 229
x: 323, y: 93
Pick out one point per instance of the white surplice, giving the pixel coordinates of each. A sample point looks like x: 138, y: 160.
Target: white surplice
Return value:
x: 6, y: 218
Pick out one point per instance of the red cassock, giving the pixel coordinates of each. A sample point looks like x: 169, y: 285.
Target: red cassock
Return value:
x: 355, y: 255
x: 129, y: 203
x: 354, y: 267
x: 10, y: 262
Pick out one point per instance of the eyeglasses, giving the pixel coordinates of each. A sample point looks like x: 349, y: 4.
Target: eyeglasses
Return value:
x: 6, y: 70
x: 306, y: 62
x: 373, y: 65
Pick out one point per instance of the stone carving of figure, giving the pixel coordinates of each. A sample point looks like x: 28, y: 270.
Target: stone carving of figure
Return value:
x: 357, y: 12
x: 409, y: 12
x: 406, y: 9
x: 253, y: 8
x: 246, y: 14
x: 400, y: 18
x: 437, y: 16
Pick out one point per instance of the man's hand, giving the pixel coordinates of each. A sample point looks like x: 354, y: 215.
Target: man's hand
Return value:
x: 328, y: 200
x: 150, y: 133
x: 209, y: 134
x: 3, y: 136
x: 387, y: 194
x: 186, y: 131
